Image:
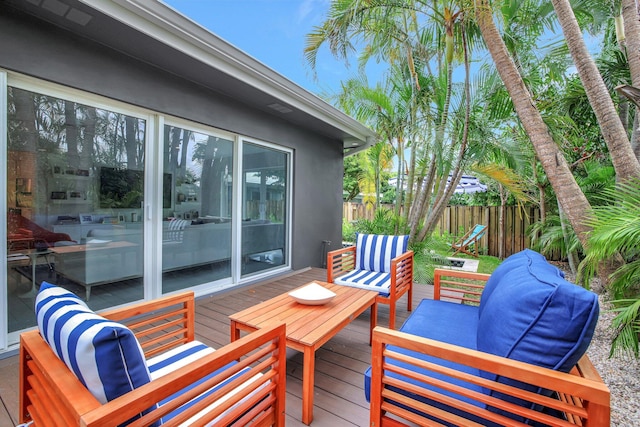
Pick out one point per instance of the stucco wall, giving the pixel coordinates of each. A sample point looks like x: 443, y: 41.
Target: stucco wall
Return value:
x: 46, y: 52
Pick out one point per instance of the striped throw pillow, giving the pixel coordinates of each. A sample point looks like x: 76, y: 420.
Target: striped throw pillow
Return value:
x: 374, y: 252
x: 104, y: 355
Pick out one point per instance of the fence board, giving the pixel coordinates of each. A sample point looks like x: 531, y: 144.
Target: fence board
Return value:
x: 457, y: 220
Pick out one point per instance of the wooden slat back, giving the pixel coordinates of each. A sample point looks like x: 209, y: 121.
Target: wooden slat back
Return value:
x: 161, y: 324
x: 461, y: 286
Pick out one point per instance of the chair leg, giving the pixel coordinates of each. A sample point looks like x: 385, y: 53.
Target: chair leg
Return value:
x: 410, y: 297
x: 392, y: 314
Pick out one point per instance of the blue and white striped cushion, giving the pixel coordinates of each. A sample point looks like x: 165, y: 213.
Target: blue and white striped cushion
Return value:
x: 104, y: 355
x: 177, y: 358
x: 374, y: 252
x: 369, y: 280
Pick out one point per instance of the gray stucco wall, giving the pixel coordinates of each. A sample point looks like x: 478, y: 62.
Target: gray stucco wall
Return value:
x: 46, y: 52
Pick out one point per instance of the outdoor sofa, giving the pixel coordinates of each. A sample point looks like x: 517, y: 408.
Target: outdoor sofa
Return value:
x: 82, y: 369
x: 515, y: 356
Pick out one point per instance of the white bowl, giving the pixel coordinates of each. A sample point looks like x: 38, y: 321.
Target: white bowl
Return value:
x: 312, y: 294
x: 98, y: 242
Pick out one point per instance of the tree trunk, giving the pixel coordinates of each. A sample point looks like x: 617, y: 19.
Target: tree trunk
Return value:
x: 632, y: 45
x: 131, y: 142
x: 624, y: 161
x: 573, y: 201
x: 632, y: 38
x: 71, y: 134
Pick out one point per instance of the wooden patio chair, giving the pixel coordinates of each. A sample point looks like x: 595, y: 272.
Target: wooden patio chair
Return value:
x: 379, y: 263
x: 468, y: 244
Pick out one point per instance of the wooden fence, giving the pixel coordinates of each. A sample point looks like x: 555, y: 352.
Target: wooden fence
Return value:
x: 457, y: 220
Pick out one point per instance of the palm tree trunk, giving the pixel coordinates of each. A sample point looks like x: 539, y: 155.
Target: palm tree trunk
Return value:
x: 632, y: 44
x: 632, y: 38
x: 624, y: 161
x: 573, y: 201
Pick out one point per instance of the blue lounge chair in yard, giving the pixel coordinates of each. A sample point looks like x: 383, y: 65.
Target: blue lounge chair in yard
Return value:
x: 468, y: 244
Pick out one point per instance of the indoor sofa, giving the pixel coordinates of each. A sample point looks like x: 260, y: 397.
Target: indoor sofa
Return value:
x: 140, y: 365
x: 22, y: 233
x: 500, y: 350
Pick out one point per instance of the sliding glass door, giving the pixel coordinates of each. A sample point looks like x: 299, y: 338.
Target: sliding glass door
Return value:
x: 89, y: 211
x: 265, y: 187
x: 196, y: 245
x: 74, y: 194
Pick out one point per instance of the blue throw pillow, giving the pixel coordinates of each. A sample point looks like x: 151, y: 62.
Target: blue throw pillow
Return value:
x: 104, y: 355
x: 374, y: 252
x: 552, y: 323
x: 518, y: 259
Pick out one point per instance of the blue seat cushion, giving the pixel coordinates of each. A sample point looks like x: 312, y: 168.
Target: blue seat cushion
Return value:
x: 104, y: 355
x: 432, y: 319
x: 374, y: 252
x: 365, y: 279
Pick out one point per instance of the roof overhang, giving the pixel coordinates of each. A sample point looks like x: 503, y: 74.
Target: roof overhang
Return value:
x: 157, y: 34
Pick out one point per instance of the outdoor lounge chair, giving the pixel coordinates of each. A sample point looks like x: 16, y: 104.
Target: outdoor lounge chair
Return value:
x: 142, y: 364
x: 468, y: 244
x: 379, y: 263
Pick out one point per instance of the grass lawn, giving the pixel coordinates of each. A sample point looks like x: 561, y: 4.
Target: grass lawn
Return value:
x: 425, y: 262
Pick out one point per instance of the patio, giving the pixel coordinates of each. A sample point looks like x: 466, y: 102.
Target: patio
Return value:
x: 340, y: 364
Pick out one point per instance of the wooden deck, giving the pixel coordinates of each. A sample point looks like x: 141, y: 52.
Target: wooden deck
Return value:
x: 340, y: 363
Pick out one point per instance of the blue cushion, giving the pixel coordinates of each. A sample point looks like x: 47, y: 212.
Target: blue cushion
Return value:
x: 506, y: 266
x: 433, y: 319
x: 551, y: 325
x: 104, y: 355
x: 365, y: 279
x: 374, y: 252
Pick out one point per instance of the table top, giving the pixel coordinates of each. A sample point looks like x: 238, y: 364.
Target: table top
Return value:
x: 309, y: 325
x: 90, y: 247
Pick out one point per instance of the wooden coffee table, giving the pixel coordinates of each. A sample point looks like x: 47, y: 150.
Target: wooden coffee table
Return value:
x: 308, y: 326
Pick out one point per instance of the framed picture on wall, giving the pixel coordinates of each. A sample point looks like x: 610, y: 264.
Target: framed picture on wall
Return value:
x: 86, y: 218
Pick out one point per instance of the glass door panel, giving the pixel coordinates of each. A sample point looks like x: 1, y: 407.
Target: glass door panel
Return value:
x: 264, y: 208
x: 196, y: 247
x: 75, y: 185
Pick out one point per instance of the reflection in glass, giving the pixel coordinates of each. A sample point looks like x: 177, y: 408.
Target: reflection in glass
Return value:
x: 57, y: 149
x: 196, y: 246
x: 264, y: 208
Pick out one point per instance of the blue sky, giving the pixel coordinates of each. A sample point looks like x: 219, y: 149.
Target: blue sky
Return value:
x: 272, y: 31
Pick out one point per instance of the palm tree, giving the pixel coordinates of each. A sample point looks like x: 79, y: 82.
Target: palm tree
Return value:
x: 624, y: 160
x: 616, y: 233
x: 573, y: 201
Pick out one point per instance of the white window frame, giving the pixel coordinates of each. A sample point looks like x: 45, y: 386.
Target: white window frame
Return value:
x: 238, y: 207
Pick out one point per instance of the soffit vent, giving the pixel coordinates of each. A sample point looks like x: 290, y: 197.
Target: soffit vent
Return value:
x: 280, y: 108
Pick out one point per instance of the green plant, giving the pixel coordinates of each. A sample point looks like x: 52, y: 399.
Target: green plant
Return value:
x: 348, y: 231
x: 615, y: 240
x: 384, y: 222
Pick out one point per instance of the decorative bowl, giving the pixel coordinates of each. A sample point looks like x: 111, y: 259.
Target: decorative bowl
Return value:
x: 98, y: 242
x: 312, y: 294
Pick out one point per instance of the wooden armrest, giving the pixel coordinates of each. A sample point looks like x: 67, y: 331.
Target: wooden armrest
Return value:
x: 340, y: 261
x: 401, y: 272
x: 462, y: 286
x: 585, y: 400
